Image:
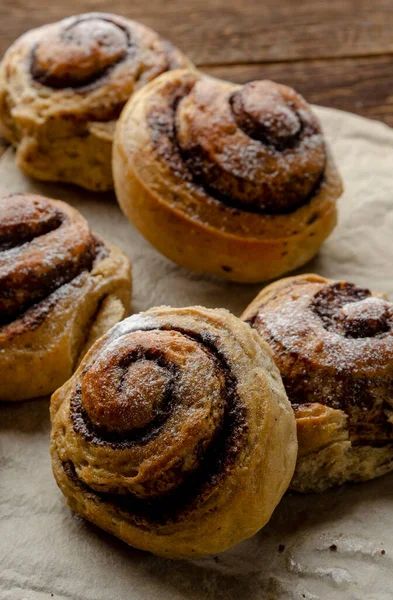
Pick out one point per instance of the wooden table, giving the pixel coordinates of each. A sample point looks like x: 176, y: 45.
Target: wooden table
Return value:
x: 335, y: 52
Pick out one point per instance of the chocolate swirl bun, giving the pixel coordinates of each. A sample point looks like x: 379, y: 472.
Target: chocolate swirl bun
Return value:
x: 62, y: 87
x: 333, y: 344
x: 61, y: 288
x: 175, y: 433
x: 225, y: 179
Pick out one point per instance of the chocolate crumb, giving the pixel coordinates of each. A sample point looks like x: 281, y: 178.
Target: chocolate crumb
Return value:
x: 281, y: 548
x: 226, y: 268
x: 383, y: 552
x: 333, y: 548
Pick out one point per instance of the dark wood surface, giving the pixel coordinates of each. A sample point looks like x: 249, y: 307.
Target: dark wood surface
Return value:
x: 337, y: 52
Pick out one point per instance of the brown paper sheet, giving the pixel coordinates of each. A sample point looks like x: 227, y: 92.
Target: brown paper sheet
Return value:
x: 334, y: 546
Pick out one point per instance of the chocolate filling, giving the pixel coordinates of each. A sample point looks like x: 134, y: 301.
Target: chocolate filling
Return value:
x: 331, y: 298
x: 67, y: 80
x: 15, y: 234
x: 100, y: 436
x: 271, y: 208
x: 36, y: 314
x: 256, y: 128
x: 16, y: 297
x: 40, y: 291
x: 92, y: 81
x: 350, y: 312
x: 190, y: 165
x: 216, y: 462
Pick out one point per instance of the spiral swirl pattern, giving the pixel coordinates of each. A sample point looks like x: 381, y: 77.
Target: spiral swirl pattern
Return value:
x: 353, y: 312
x: 80, y: 52
x: 44, y: 244
x: 64, y: 85
x: 333, y: 343
x: 156, y: 423
x: 224, y: 179
x: 61, y: 287
x: 258, y: 148
x: 139, y: 397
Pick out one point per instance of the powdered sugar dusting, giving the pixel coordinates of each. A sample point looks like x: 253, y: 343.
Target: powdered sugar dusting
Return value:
x: 251, y: 149
x: 58, y: 247
x: 138, y: 322
x: 296, y: 328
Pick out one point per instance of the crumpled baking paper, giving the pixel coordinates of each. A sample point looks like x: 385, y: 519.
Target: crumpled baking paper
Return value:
x: 333, y: 546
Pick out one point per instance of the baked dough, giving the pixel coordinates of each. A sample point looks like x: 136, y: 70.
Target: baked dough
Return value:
x: 63, y: 85
x: 175, y: 433
x: 61, y: 287
x: 333, y: 344
x: 225, y: 179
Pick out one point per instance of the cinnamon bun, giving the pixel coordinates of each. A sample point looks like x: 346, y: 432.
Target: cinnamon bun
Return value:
x: 333, y: 344
x: 63, y: 86
x: 175, y: 433
x: 61, y: 287
x: 225, y: 179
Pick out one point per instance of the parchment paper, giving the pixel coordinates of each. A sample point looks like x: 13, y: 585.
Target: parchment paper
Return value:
x: 333, y: 546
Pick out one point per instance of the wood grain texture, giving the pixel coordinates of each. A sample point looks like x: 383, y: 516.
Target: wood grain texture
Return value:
x: 336, y: 53
x: 360, y: 85
x: 234, y: 31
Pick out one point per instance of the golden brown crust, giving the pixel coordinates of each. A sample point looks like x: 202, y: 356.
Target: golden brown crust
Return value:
x: 175, y: 433
x: 61, y: 287
x: 333, y: 344
x: 63, y: 85
x: 248, y: 199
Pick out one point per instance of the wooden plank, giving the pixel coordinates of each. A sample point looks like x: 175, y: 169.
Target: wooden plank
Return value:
x: 234, y: 31
x: 360, y: 85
